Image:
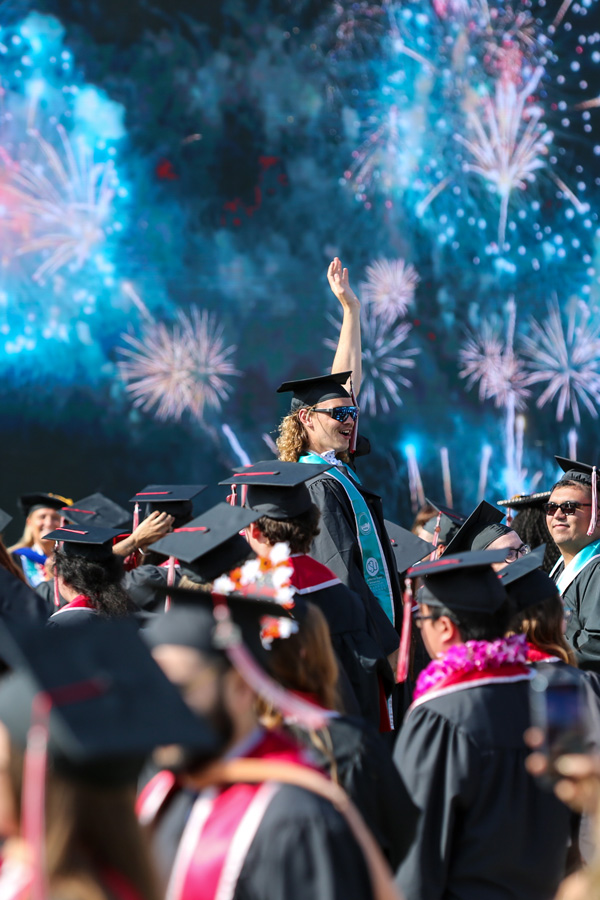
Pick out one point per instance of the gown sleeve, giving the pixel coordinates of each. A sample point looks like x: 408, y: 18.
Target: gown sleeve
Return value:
x: 437, y: 765
x: 582, y: 601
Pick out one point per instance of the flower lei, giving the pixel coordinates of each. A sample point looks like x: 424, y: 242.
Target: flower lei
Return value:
x: 473, y: 656
x: 265, y: 578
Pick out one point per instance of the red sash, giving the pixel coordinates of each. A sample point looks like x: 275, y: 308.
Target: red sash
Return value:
x: 534, y: 654
x: 80, y: 602
x: 310, y: 576
x: 221, y: 828
x: 459, y: 681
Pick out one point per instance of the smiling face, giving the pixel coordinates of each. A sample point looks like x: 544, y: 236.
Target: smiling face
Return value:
x: 324, y: 432
x: 42, y: 521
x: 570, y: 532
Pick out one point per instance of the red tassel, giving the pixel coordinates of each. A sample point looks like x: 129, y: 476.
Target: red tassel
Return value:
x: 136, y: 516
x: 170, y: 581
x: 594, y: 518
x: 34, y: 793
x: 436, y: 537
x: 404, y: 654
x: 56, y: 591
x: 354, y: 432
x: 232, y: 497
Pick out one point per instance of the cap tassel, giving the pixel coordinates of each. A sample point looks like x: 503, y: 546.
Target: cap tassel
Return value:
x: 594, y: 518
x: 136, y: 516
x: 404, y: 653
x: 170, y: 581
x: 308, y: 715
x: 436, y: 536
x: 34, y: 793
x: 354, y: 432
x: 232, y: 497
x: 56, y: 591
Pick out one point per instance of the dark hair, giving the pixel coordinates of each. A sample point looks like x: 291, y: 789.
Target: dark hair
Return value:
x: 530, y: 525
x: 298, y: 532
x: 100, y: 582
x: 543, y: 626
x: 7, y: 561
x: 477, y: 626
x: 570, y: 483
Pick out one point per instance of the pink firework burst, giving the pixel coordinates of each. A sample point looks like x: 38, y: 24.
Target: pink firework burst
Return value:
x: 383, y: 363
x: 488, y: 359
x: 568, y: 361
x: 179, y: 368
x: 390, y: 288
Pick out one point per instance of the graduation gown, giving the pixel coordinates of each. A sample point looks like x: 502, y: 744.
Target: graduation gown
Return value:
x: 79, y: 610
x: 487, y: 829
x: 360, y: 655
x: 337, y: 547
x: 357, y: 757
x: 582, y: 613
x: 298, y: 846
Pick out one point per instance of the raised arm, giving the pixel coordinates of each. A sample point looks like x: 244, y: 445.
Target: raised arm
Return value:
x: 348, y: 354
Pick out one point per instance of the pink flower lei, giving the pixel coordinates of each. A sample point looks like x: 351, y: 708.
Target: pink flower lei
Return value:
x: 473, y: 656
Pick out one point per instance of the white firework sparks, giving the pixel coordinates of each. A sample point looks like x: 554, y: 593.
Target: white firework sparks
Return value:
x: 383, y: 363
x: 67, y: 198
x: 390, y: 288
x: 489, y: 360
x: 179, y: 368
x: 568, y: 361
x: 509, y: 141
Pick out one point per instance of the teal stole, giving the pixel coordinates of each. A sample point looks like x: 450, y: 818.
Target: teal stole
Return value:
x: 375, y: 570
x: 577, y: 564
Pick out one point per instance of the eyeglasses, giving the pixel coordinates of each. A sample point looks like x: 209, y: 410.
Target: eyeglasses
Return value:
x: 418, y: 618
x: 515, y: 552
x: 568, y: 508
x: 341, y: 413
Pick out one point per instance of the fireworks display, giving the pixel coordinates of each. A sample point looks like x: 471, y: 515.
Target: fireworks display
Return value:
x: 447, y: 151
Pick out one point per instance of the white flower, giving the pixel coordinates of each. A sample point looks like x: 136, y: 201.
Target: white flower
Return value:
x: 250, y: 572
x: 223, y: 585
x: 281, y: 576
x: 280, y: 553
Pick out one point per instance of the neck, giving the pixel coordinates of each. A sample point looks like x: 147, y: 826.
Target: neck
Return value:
x: 69, y: 593
x: 569, y: 552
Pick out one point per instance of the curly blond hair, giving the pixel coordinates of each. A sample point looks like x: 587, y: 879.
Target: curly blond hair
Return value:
x: 293, y: 439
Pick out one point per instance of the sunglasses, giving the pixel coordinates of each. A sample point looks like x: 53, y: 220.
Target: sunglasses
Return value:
x: 569, y: 508
x: 340, y: 413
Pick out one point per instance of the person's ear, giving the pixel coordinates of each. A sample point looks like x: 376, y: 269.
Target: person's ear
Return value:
x: 255, y: 533
x: 305, y: 416
x: 448, y: 630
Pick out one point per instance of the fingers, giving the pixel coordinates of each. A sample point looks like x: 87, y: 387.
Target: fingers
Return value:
x: 534, y: 737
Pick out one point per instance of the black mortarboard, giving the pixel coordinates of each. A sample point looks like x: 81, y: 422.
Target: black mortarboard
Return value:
x: 462, y: 582
x: 93, y: 544
x: 526, y: 501
x: 111, y: 703
x: 575, y: 471
x: 450, y: 521
x: 174, y: 499
x: 525, y: 582
x: 408, y: 548
x: 312, y: 391
x: 211, y: 543
x: 98, y: 510
x: 480, y: 527
x: 5, y: 520
x: 40, y: 500
x: 277, y: 489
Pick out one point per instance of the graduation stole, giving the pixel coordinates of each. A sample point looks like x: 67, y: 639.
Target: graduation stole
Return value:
x: 375, y: 570
x: 577, y: 565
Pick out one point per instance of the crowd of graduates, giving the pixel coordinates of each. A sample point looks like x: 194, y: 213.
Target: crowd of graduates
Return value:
x: 289, y: 696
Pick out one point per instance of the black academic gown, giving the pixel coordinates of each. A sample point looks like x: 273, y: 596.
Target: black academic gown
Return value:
x: 487, y: 829
x: 355, y: 756
x: 582, y: 613
x: 337, y: 547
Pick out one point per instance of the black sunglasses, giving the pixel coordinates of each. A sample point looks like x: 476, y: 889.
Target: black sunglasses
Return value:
x: 340, y: 413
x: 569, y: 507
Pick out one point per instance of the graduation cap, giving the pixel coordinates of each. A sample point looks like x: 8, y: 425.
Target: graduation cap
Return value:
x: 479, y: 530
x: 448, y: 519
x: 526, y: 501
x: 174, y: 499
x: 211, y: 543
x: 277, y: 489
x: 462, y: 582
x: 312, y: 391
x: 586, y: 475
x: 525, y: 582
x: 98, y: 510
x: 39, y: 500
x: 110, y: 703
x: 93, y: 544
x: 408, y: 548
x: 5, y: 520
